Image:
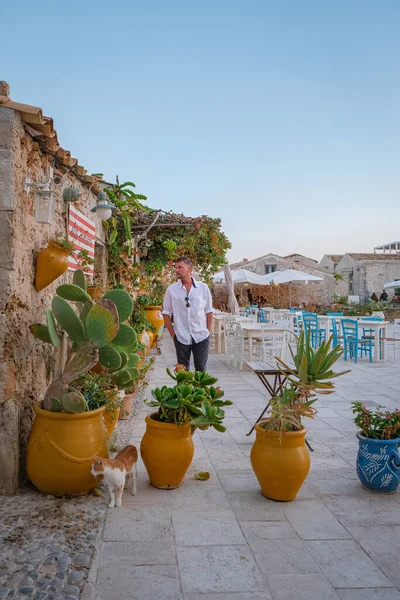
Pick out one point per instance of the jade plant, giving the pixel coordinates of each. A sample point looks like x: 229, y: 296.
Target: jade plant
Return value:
x: 193, y: 399
x: 95, y: 333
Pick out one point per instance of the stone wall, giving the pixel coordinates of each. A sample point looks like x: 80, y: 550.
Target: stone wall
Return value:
x: 26, y: 364
x: 278, y: 296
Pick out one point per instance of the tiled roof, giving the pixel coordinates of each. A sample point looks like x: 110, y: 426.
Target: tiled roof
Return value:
x: 42, y: 129
x: 335, y: 258
x: 296, y: 254
x: 372, y: 256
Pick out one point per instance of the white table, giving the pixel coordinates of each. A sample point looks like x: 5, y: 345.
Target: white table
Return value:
x: 253, y: 330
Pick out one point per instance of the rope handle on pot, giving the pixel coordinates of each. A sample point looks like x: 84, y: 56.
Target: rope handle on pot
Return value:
x: 71, y: 458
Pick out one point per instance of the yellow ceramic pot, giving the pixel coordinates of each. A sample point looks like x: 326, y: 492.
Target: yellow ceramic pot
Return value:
x: 151, y: 338
x: 111, y: 419
x: 61, y: 448
x: 281, y: 462
x: 51, y: 263
x: 167, y: 451
x: 144, y: 338
x: 153, y: 314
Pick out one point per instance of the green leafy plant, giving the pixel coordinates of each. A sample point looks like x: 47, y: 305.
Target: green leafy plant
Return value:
x: 99, y: 390
x: 84, y: 259
x: 193, y: 399
x: 138, y: 320
x: 95, y: 332
x: 309, y: 376
x: 63, y: 242
x: 379, y: 424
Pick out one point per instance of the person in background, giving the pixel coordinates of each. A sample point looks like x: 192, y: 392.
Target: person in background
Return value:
x: 189, y: 302
x: 383, y: 296
x: 374, y: 297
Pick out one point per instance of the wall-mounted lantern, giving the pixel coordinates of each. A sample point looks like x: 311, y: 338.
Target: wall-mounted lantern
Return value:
x: 45, y: 199
x: 45, y: 203
x: 104, y: 207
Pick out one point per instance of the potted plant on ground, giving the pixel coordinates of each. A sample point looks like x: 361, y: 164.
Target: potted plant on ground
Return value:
x: 167, y: 446
x: 152, y: 306
x: 66, y: 434
x: 144, y: 329
x: 52, y: 261
x: 378, y: 459
x: 279, y: 456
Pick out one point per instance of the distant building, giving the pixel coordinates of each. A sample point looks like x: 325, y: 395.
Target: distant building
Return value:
x: 318, y: 292
x: 390, y: 248
x: 363, y: 273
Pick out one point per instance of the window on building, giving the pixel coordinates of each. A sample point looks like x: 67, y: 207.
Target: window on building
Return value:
x: 351, y: 290
x: 270, y: 269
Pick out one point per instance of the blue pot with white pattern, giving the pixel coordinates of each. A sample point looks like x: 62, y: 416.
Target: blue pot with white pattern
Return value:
x: 378, y: 464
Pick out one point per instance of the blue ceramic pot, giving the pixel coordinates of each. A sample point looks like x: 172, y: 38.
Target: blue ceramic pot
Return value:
x: 378, y: 464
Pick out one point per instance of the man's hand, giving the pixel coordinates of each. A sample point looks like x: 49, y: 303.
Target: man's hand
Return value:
x: 168, y: 325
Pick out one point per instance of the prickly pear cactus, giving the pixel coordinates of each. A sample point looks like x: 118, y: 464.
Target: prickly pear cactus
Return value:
x: 73, y: 402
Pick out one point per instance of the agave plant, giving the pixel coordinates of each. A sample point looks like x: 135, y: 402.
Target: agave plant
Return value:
x: 192, y: 400
x: 95, y: 333
x: 309, y: 376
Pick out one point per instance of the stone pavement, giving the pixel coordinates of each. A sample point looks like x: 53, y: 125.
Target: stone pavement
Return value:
x: 222, y: 540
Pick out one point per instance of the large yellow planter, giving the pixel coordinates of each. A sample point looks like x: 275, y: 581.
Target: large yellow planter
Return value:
x: 151, y: 338
x: 51, y: 263
x: 111, y: 419
x: 281, y: 462
x: 61, y: 448
x: 167, y: 451
x: 153, y: 314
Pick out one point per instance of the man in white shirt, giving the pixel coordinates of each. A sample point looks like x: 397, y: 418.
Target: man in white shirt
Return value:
x: 189, y: 304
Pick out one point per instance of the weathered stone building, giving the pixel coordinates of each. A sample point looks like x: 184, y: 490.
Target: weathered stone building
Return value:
x: 313, y: 293
x: 363, y: 273
x: 29, y: 144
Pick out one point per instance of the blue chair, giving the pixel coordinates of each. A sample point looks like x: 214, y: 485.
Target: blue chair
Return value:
x: 261, y: 316
x: 310, y: 323
x: 369, y: 333
x: 331, y: 331
x: 248, y: 311
x: 353, y: 344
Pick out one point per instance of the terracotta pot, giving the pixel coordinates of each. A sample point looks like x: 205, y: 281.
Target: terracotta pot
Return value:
x: 281, y: 462
x: 61, y: 448
x: 153, y: 314
x: 95, y: 292
x: 51, y: 263
x: 167, y: 451
x: 126, y: 409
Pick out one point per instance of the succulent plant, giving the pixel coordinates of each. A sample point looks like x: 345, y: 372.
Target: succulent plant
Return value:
x: 95, y: 333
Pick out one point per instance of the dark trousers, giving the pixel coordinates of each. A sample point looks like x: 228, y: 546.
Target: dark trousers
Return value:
x: 200, y: 353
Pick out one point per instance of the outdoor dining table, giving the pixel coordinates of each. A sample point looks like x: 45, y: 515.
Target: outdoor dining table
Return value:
x: 219, y: 320
x: 253, y: 330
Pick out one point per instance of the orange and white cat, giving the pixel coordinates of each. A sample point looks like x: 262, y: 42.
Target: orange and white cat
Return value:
x: 118, y: 472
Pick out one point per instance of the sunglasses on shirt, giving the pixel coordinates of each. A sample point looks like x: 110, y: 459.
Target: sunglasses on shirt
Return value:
x: 187, y: 302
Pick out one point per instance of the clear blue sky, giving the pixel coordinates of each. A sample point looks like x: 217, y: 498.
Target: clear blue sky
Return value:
x: 279, y: 116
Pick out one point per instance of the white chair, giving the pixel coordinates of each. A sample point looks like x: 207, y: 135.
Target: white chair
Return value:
x: 274, y: 344
x: 242, y: 347
x: 229, y: 339
x: 396, y: 337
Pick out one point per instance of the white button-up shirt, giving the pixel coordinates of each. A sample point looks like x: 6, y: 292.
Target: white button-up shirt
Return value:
x: 189, y: 322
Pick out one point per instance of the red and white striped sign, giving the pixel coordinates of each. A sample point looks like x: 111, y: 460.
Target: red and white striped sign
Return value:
x: 82, y: 233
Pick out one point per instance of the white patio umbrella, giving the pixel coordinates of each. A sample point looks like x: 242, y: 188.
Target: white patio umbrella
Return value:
x: 241, y: 276
x: 288, y: 276
x: 232, y: 302
x: 392, y: 284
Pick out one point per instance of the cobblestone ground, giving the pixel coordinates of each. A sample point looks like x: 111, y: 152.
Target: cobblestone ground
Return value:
x: 47, y: 544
